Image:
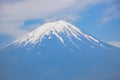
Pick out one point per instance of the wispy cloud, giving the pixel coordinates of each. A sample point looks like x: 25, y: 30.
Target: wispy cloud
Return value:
x: 15, y: 12
x: 112, y: 13
x: 66, y: 17
x: 115, y: 43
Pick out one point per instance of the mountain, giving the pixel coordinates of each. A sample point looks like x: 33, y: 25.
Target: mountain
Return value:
x: 61, y: 34
x: 59, y: 51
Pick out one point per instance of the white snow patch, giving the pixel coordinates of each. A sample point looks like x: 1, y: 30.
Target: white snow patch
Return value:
x: 91, y: 38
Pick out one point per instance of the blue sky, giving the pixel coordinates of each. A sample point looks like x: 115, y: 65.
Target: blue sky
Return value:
x: 99, y: 18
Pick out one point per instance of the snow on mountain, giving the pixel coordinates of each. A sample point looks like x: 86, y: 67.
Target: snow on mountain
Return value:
x: 57, y: 29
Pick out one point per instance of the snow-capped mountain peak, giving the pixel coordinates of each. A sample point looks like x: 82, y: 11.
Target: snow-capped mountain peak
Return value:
x: 57, y: 29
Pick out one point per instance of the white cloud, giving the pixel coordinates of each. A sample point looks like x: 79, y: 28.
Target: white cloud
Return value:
x: 11, y: 29
x: 13, y: 14
x: 114, y: 43
x: 110, y: 14
x: 66, y: 17
x: 33, y: 9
